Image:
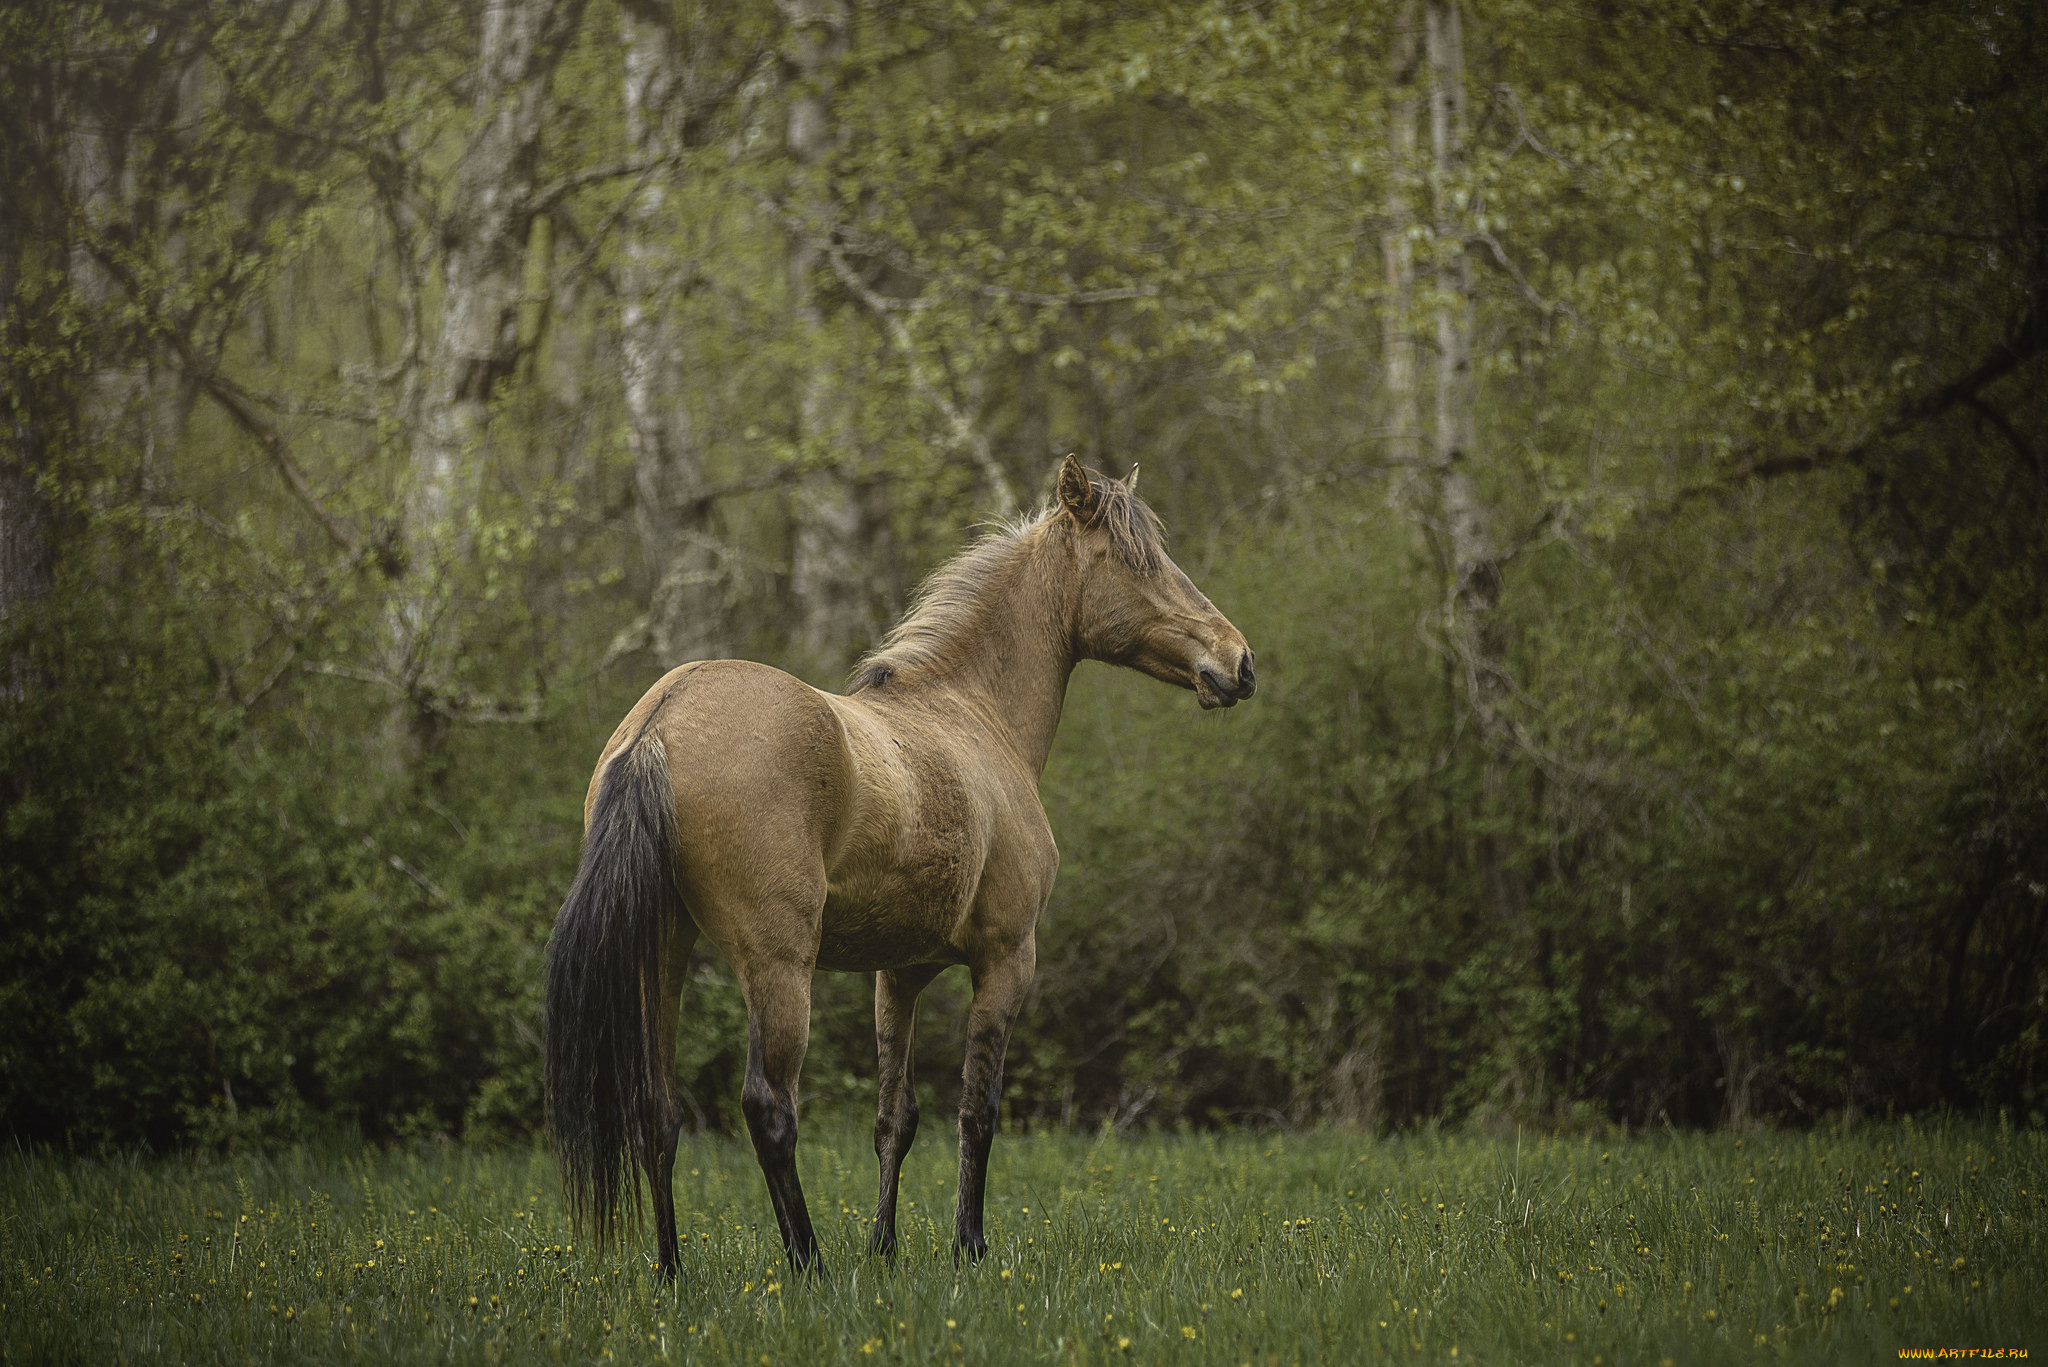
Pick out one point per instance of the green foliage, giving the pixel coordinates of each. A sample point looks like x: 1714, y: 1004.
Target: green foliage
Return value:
x: 1757, y: 832
x: 204, y: 939
x: 1686, y: 1249
x: 1749, y: 909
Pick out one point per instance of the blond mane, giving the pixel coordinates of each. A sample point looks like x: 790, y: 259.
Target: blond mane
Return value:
x: 954, y: 598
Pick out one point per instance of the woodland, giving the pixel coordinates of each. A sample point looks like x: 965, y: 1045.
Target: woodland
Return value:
x: 1618, y: 426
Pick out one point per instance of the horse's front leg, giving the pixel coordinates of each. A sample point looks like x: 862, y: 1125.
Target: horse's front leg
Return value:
x: 896, y: 993
x: 999, y: 990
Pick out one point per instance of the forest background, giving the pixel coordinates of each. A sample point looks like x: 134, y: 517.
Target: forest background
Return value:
x: 1619, y: 427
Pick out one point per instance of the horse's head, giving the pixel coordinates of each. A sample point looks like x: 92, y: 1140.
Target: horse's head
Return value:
x: 1137, y: 608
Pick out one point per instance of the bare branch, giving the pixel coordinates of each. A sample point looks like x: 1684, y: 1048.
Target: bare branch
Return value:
x: 270, y: 680
x: 553, y: 193
x: 605, y: 227
x: 299, y: 407
x: 480, y: 711
x: 965, y: 434
x: 1532, y: 534
x: 1547, y: 307
x: 1523, y: 132
x: 2021, y: 345
x: 1076, y: 299
x: 369, y: 842
x: 366, y: 676
x: 233, y: 399
x: 325, y: 591
x: 2006, y: 430
x: 239, y: 406
x: 752, y: 484
x: 863, y: 245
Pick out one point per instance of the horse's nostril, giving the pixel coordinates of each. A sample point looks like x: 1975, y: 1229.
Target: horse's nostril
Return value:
x: 1244, y: 671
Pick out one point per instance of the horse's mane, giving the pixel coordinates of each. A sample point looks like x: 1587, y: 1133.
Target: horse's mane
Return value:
x: 953, y: 597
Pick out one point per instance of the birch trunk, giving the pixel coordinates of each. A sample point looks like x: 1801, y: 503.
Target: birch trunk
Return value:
x: 123, y: 132
x: 102, y: 119
x: 1402, y: 353
x: 1360, y: 1076
x: 1467, y: 522
x: 482, y: 239
x: 688, y: 607
x: 840, y: 522
x: 98, y: 119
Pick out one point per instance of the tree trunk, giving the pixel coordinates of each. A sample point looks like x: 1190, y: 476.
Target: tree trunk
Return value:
x: 1401, y: 380
x: 120, y: 126
x: 1468, y: 522
x: 27, y: 546
x: 686, y: 617
x: 86, y: 120
x: 27, y: 550
x: 482, y: 237
x: 841, y: 521
x: 98, y: 116
x: 1475, y: 579
x: 27, y: 554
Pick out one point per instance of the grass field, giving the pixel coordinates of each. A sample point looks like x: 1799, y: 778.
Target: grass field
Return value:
x: 1228, y: 1249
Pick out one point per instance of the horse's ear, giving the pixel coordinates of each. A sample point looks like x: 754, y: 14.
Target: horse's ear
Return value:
x: 1131, y: 480
x: 1077, y: 492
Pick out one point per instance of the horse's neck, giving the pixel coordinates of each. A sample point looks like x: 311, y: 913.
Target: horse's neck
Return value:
x: 1014, y: 674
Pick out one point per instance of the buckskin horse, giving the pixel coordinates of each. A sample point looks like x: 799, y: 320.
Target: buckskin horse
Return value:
x: 894, y: 830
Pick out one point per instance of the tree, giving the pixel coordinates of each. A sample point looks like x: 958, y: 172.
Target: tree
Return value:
x: 840, y: 514
x: 478, y: 240
x: 1620, y: 430
x: 672, y: 101
x: 27, y: 550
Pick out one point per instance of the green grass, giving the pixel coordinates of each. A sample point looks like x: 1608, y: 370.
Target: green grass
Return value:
x: 1225, y: 1249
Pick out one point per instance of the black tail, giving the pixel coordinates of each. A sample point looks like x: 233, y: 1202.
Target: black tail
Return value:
x: 609, y: 1099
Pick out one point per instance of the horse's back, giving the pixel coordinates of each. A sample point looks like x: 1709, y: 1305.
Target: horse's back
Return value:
x: 760, y: 775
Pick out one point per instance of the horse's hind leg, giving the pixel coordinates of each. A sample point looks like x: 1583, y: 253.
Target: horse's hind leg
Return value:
x: 896, y: 993
x: 778, y: 995
x: 660, y: 1166
x: 999, y: 990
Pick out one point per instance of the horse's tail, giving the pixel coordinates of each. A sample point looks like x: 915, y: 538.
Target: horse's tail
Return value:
x: 609, y: 1097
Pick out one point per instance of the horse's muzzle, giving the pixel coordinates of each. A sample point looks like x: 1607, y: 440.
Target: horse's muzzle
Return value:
x: 1230, y: 692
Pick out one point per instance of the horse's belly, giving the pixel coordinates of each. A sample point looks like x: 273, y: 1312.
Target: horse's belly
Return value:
x: 871, y: 953
x: 892, y: 922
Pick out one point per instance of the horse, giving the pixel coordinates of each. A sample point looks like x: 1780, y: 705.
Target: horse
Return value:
x: 895, y: 829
